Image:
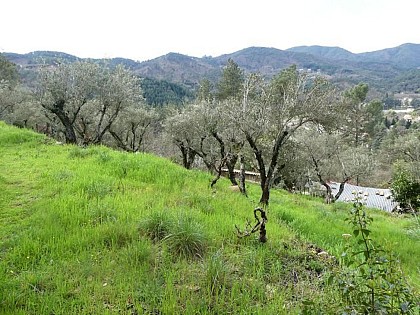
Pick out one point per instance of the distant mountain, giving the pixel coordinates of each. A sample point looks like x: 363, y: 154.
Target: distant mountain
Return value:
x: 269, y: 61
x: 332, y: 53
x: 387, y: 70
x: 404, y: 56
x: 191, y: 70
x: 35, y: 58
x: 178, y: 68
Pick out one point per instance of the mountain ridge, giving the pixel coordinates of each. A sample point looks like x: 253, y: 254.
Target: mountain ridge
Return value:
x: 378, y: 68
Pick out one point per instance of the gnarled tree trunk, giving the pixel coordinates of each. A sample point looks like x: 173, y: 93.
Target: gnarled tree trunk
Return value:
x: 69, y: 133
x: 242, y: 175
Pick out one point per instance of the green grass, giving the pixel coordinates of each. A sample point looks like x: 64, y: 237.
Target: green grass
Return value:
x: 95, y: 231
x: 324, y: 225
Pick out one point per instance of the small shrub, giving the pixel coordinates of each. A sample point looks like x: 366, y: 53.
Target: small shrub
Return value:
x: 406, y: 190
x: 371, y: 281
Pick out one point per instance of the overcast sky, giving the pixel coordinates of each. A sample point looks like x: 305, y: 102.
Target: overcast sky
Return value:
x: 146, y: 29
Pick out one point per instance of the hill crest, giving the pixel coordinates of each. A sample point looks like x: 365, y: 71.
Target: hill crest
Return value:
x: 378, y: 68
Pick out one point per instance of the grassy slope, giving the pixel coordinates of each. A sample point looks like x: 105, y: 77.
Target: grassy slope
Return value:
x: 70, y: 240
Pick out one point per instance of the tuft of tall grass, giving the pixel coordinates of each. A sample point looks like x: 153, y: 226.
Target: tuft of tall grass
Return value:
x: 102, y: 213
x: 137, y: 253
x: 79, y: 152
x: 98, y: 189
x: 104, y: 156
x: 63, y: 175
x: 115, y: 235
x: 157, y: 225
x: 216, y: 273
x: 186, y: 238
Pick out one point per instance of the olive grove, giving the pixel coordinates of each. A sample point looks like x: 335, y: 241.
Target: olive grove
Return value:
x: 292, y: 128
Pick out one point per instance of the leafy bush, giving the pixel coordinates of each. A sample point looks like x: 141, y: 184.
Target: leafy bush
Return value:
x: 406, y: 190
x: 371, y: 281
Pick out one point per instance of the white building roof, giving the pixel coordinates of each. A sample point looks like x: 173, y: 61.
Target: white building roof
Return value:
x: 372, y: 197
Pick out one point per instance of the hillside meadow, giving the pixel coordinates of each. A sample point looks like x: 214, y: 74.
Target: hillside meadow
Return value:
x: 96, y: 231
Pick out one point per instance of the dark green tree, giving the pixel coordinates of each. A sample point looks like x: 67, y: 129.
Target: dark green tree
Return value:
x: 355, y: 114
x: 8, y: 72
x: 204, y: 92
x: 231, y: 82
x: 161, y: 92
x: 406, y: 189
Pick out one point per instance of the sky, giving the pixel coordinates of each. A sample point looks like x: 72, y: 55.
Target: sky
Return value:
x: 146, y: 29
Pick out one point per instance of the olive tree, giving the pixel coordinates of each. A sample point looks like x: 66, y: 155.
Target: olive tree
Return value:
x: 178, y: 128
x: 64, y: 90
x: 17, y: 104
x: 270, y: 114
x: 131, y: 126
x: 86, y: 98
x: 204, y: 130
x: 407, y: 148
x: 219, y: 139
x: 9, y: 96
x: 330, y: 158
x: 194, y: 131
x: 115, y: 90
x: 8, y: 72
x: 200, y: 130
